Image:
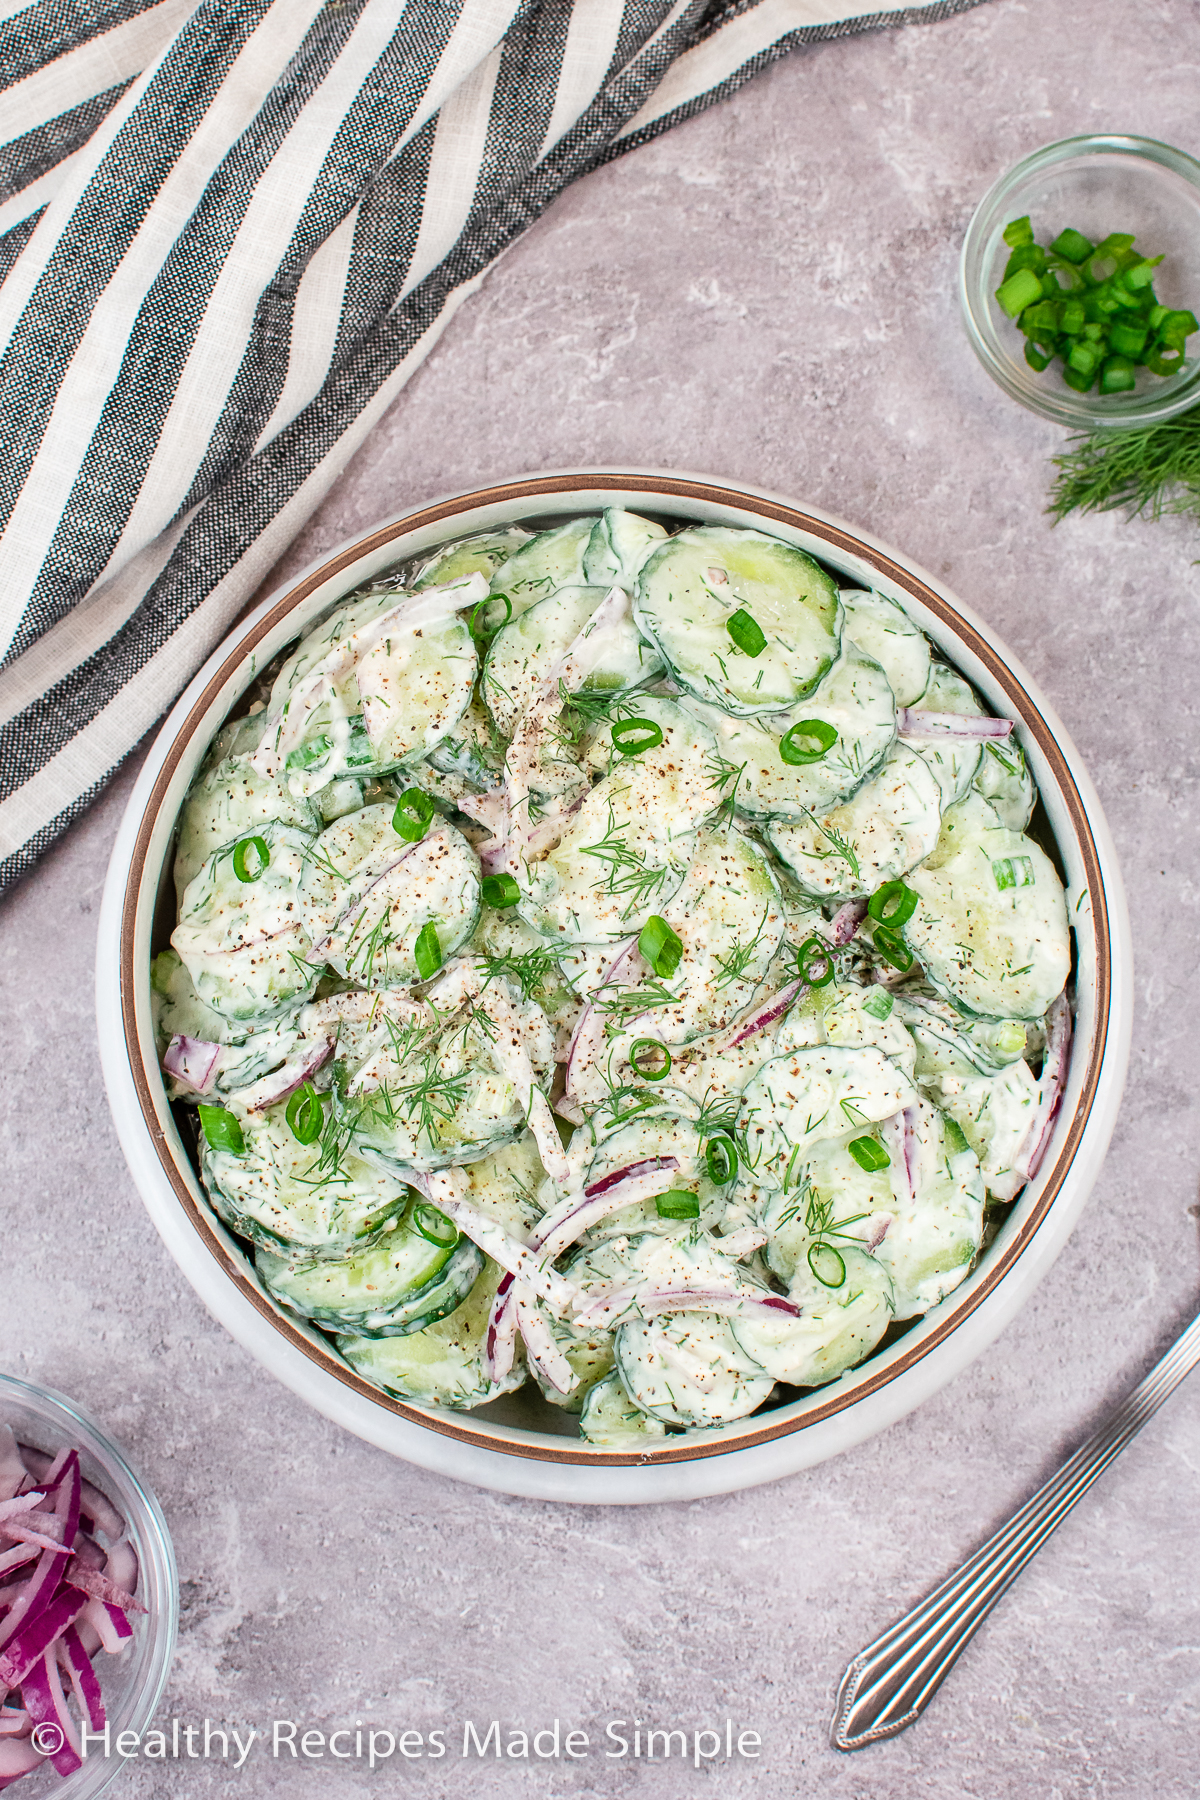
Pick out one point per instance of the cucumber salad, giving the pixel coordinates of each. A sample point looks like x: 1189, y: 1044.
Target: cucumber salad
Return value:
x: 614, y: 957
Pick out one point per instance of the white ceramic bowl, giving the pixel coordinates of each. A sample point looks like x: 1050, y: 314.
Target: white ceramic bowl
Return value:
x: 514, y: 1446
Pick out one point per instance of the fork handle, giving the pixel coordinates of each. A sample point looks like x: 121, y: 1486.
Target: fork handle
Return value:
x: 892, y: 1681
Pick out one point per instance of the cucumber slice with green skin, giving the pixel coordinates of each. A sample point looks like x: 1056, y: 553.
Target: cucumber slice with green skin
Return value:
x: 691, y: 587
x: 951, y: 1042
x: 243, y: 942
x: 840, y: 1327
x: 482, y: 554
x: 847, y: 1020
x: 829, y: 1091
x: 948, y: 691
x: 882, y: 831
x: 934, y: 1237
x: 626, y: 850
x: 522, y: 654
x: 553, y: 559
x: 473, y: 750
x: 229, y: 802
x: 854, y: 698
x: 505, y: 1184
x: 833, y: 1201
x: 442, y: 1365
x: 1003, y: 778
x: 367, y: 894
x: 249, y: 1050
x: 953, y: 763
x: 689, y: 1369
x: 401, y: 1285
x: 618, y: 547
x: 1002, y: 951
x: 884, y: 630
x: 993, y: 1112
x: 611, y: 1421
x: 275, y: 1195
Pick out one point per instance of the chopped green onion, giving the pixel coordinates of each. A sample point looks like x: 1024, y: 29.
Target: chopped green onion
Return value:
x: 1118, y: 375
x: 814, y: 962
x: 878, y: 1003
x: 1072, y: 246
x: 305, y: 1114
x: 720, y: 1154
x: 1018, y: 232
x: 642, y: 1048
x: 631, y: 737
x: 1018, y: 292
x: 869, y: 1154
x: 746, y: 632
x: 500, y: 891
x: 1142, y: 273
x: 240, y: 853
x: 414, y: 809
x: 1163, y: 361
x: 222, y: 1129
x: 427, y: 952
x: 479, y: 627
x: 1026, y: 256
x: 1072, y: 318
x: 434, y: 1226
x: 1176, y: 327
x: 1034, y: 357
x: 661, y: 947
x: 807, y: 742
x: 1074, y: 379
x: 310, y: 754
x: 892, y: 947
x: 678, y: 1204
x: 1013, y: 872
x: 827, y: 1265
x: 893, y: 904
x: 1128, y: 340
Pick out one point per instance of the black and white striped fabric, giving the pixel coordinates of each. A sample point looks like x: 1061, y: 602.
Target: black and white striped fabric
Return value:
x: 229, y: 232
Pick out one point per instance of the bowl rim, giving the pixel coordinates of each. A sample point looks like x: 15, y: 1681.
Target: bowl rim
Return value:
x: 1107, y: 1051
x: 1060, y: 404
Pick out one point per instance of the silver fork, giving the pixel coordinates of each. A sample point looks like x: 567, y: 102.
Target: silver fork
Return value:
x: 892, y: 1681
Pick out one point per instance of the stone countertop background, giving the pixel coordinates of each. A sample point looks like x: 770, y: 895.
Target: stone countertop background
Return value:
x: 767, y: 292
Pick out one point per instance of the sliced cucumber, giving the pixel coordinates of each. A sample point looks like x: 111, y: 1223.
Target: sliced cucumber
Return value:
x: 643, y: 1141
x: 831, y: 1198
x: 952, y: 762
x: 848, y: 1019
x: 472, y: 750
x: 611, y: 1421
x: 841, y: 1324
x: 991, y: 927
x: 689, y: 1369
x: 445, y: 1363
x: 243, y: 941
x: 626, y: 850
x: 281, y: 1194
x: 481, y: 554
x: 1003, y: 779
x: 933, y: 1239
x: 690, y: 589
x: 884, y: 630
x: 884, y: 829
x: 829, y: 1091
x: 229, y: 802
x: 948, y: 691
x: 994, y: 1113
x: 522, y: 654
x: 553, y: 559
x: 951, y: 1042
x: 854, y: 698
x: 367, y: 894
x: 402, y: 1285
x: 618, y: 547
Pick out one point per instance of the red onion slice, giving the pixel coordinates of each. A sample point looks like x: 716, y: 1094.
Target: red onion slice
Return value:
x: 271, y: 1089
x: 20, y: 1503
x: 17, y: 1758
x: 899, y: 1134
x: 103, y: 1622
x: 847, y: 919
x: 78, y: 1664
x: 13, y: 1721
x: 540, y: 1345
x: 1050, y: 1084
x: 763, y: 1015
x: 19, y: 1554
x: 46, y: 1705
x: 607, y: 1306
x: 192, y: 1061
x: 445, y: 1188
x: 35, y: 1638
x: 588, y: 1037
x: 99, y: 1587
x: 913, y: 724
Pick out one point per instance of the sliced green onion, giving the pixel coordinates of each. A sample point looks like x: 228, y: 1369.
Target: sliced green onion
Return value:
x: 414, y: 809
x: 478, y: 625
x: 359, y: 748
x: 1018, y: 232
x: 746, y: 632
x: 661, y: 947
x: 305, y: 1114
x: 632, y: 737
x: 649, y: 1047
x: 427, y: 952
x: 1177, y: 327
x: 878, y: 1003
x: 892, y: 947
x: 869, y: 1154
x: 720, y: 1154
x: 240, y: 853
x: 309, y: 755
x: 1018, y: 292
x: 434, y: 1226
x: 1026, y: 256
x: 1128, y: 340
x: 814, y: 962
x: 807, y: 742
x: 827, y: 1265
x: 1013, y: 872
x: 1034, y: 357
x: 678, y: 1204
x: 500, y: 891
x: 892, y: 904
x: 222, y: 1129
x: 1118, y: 375
x: 1072, y: 246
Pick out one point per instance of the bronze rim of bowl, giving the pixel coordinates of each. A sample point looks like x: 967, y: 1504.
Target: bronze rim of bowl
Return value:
x: 1022, y: 708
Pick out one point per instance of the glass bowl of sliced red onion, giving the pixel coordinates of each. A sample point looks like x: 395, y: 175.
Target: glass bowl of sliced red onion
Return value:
x: 89, y: 1598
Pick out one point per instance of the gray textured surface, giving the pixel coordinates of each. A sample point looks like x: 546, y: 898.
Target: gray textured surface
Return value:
x: 767, y: 293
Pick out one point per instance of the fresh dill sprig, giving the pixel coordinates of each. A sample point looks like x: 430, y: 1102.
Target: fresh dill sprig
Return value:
x: 620, y: 1005
x: 1150, y: 469
x: 626, y: 872
x: 733, y: 967
x: 533, y: 970
x: 722, y: 775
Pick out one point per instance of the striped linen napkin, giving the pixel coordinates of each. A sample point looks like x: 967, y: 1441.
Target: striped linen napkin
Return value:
x: 228, y: 235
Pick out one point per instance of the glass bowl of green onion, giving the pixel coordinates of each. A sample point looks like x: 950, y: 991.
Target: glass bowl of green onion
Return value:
x: 1080, y: 281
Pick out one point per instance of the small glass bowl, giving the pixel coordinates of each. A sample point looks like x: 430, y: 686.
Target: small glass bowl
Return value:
x: 132, y: 1682
x: 1097, y: 185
